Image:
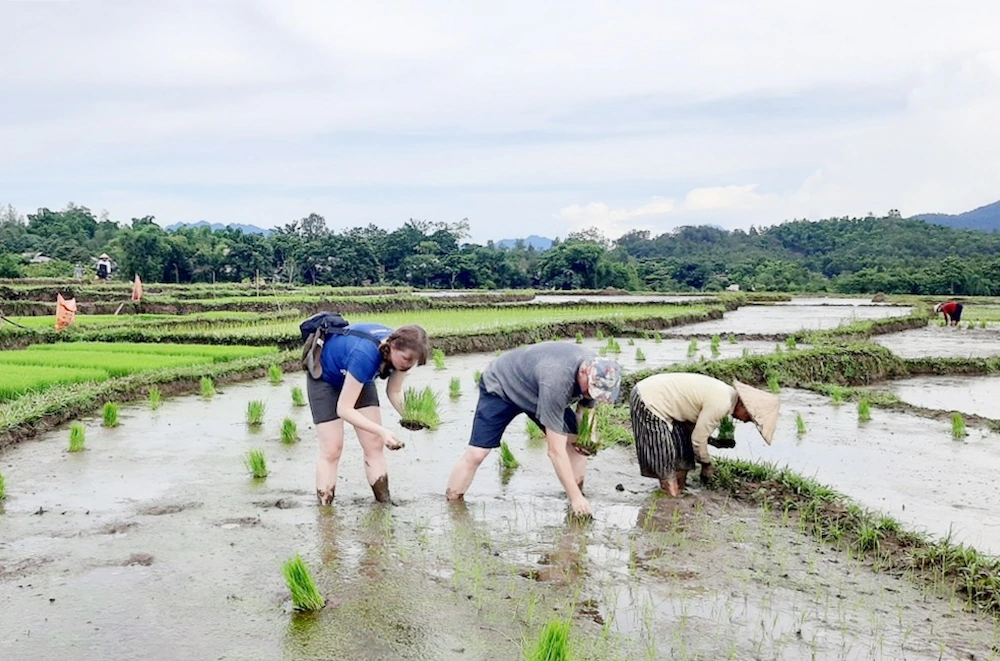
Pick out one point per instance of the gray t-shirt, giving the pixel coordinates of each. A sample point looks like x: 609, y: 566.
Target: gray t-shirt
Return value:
x: 540, y: 379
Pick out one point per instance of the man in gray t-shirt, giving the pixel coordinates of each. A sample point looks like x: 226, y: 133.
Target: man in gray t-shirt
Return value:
x: 541, y: 380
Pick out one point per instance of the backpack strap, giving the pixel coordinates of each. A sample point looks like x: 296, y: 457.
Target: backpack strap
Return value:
x: 355, y: 333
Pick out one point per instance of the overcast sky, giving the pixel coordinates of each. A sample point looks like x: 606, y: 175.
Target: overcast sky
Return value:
x: 524, y: 117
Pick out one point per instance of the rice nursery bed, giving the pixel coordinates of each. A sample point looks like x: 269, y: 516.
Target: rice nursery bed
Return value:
x: 179, y: 552
x: 785, y: 319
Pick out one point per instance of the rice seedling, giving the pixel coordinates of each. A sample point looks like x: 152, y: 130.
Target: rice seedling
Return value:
x: 305, y: 596
x: 77, y: 435
x: 800, y: 424
x: 613, y: 346
x: 657, y: 337
x: 274, y: 375
x: 778, y: 349
x: 3, y: 487
x: 727, y: 429
x: 772, y: 382
x: 603, y: 351
x: 255, y: 413
x: 837, y: 394
x: 714, y: 345
x: 255, y: 463
x: 437, y: 355
x: 586, y: 440
x: 455, y: 387
x: 298, y: 399
x: 207, y: 387
x: 958, y: 426
x: 745, y: 353
x: 110, y: 415
x: 640, y: 357
x: 790, y: 343
x: 864, y: 410
x: 289, y: 432
x: 579, y: 337
x: 631, y: 342
x: 600, y: 334
x: 420, y: 409
x: 731, y: 338
x: 552, y: 643
x: 534, y: 431
x: 507, y: 459
x: 982, y: 324
x: 692, y: 347
x: 970, y: 326
x: 155, y: 397
x: 477, y: 376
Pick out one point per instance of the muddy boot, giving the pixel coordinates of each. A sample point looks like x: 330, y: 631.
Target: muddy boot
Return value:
x: 381, y: 489
x: 325, y: 498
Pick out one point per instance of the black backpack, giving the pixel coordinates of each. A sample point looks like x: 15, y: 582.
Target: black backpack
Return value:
x: 315, y: 330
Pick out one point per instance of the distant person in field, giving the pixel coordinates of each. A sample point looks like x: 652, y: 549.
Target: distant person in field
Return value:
x: 348, y: 365
x: 952, y: 311
x: 103, y: 268
x: 674, y: 414
x: 543, y: 381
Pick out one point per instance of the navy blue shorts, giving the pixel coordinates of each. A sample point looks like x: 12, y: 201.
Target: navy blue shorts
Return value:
x: 494, y: 413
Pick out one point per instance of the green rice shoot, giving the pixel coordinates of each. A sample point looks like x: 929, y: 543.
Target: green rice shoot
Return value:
x: 585, y: 438
x: 552, y: 643
x: 958, y: 426
x: 778, y: 349
x: 800, y: 424
x: 455, y: 387
x: 772, y: 382
x: 274, y: 375
x: 298, y: 399
x: 507, y: 459
x: 437, y: 355
x: 864, y: 410
x: 77, y: 435
x: 613, y: 346
x: 3, y: 487
x: 477, y: 376
x: 534, y: 431
x: 657, y: 337
x: 289, y: 431
x: 255, y: 413
x: 255, y: 463
x: 727, y: 429
x: 692, y: 347
x: 579, y: 337
x: 714, y: 345
x: 155, y: 397
x: 600, y: 334
x: 837, y: 394
x: 790, y: 343
x: 305, y: 596
x: 640, y: 357
x: 731, y: 338
x: 631, y: 342
x: 110, y: 415
x: 420, y: 406
x: 207, y: 387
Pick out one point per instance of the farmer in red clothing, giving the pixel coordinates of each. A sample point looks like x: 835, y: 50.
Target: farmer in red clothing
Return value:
x: 952, y: 311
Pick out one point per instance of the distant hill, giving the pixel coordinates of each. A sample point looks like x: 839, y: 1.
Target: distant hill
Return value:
x: 984, y: 218
x: 533, y: 241
x: 246, y: 229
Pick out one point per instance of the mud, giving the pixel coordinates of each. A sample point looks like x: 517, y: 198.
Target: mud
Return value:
x: 380, y: 489
x: 699, y: 577
x: 160, y: 510
x: 786, y: 319
x: 944, y: 342
x: 413, y: 425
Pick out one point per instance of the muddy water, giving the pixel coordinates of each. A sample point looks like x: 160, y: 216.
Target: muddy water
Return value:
x: 906, y: 466
x: 944, y: 342
x: 156, y: 544
x: 789, y: 318
x: 972, y: 395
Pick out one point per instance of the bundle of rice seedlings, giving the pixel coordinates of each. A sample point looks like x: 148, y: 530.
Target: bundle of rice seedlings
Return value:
x: 745, y: 352
x: 420, y: 409
x: 289, y: 431
x: 437, y: 355
x: 274, y: 375
x: 155, y: 397
x: 254, y: 460
x: 507, y: 459
x: 778, y: 349
x: 631, y: 342
x: 586, y: 440
x: 110, y: 415
x: 579, y: 338
x: 864, y: 410
x: 692, y: 347
x: 714, y: 346
x: 731, y: 338
x: 837, y: 394
x: 455, y: 388
x: 603, y: 351
x: 76, y: 437
x: 477, y: 376
x: 800, y: 424
x: 727, y: 429
x: 640, y: 357
x: 552, y: 643
x: 207, y: 387
x: 958, y: 426
x: 772, y: 382
x: 255, y: 413
x: 657, y: 337
x: 534, y: 431
x: 3, y: 487
x: 305, y: 596
x: 791, y: 343
x: 613, y: 346
x: 298, y: 398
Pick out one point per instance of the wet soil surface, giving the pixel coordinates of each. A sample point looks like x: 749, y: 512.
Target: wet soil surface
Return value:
x: 120, y: 562
x: 944, y: 342
x: 766, y: 319
x: 975, y: 395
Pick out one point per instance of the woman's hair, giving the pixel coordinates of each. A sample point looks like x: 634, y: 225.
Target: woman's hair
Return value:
x: 407, y: 338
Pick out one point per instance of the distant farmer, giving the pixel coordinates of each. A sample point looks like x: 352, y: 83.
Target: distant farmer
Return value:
x: 674, y: 414
x: 952, y: 311
x: 543, y: 381
x: 341, y: 386
x: 103, y: 267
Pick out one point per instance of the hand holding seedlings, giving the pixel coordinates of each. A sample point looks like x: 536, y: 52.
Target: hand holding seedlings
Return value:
x: 707, y: 473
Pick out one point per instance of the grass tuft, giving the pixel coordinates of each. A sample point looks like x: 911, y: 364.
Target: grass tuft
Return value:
x: 255, y: 413
x: 77, y: 434
x: 155, y: 397
x: 298, y: 398
x: 207, y: 387
x: 274, y: 375
x: 110, y: 415
x: 790, y: 343
x: 305, y: 596
x: 772, y: 382
x: 289, y: 431
x: 254, y: 460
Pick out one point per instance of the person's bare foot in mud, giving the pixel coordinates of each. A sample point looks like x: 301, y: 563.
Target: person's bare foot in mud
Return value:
x: 381, y: 490
x: 325, y: 498
x: 669, y: 485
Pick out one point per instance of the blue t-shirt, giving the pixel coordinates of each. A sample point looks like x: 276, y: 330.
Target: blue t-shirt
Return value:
x: 359, y: 356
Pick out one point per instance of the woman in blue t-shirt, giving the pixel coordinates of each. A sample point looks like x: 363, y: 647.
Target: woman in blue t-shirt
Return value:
x: 347, y: 391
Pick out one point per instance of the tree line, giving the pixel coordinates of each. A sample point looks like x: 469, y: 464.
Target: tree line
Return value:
x: 844, y: 255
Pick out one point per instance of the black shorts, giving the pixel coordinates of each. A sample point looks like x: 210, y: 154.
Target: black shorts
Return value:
x: 323, y: 399
x: 957, y: 315
x: 494, y: 413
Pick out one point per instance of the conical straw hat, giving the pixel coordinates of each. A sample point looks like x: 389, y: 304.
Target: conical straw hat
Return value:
x: 762, y: 406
